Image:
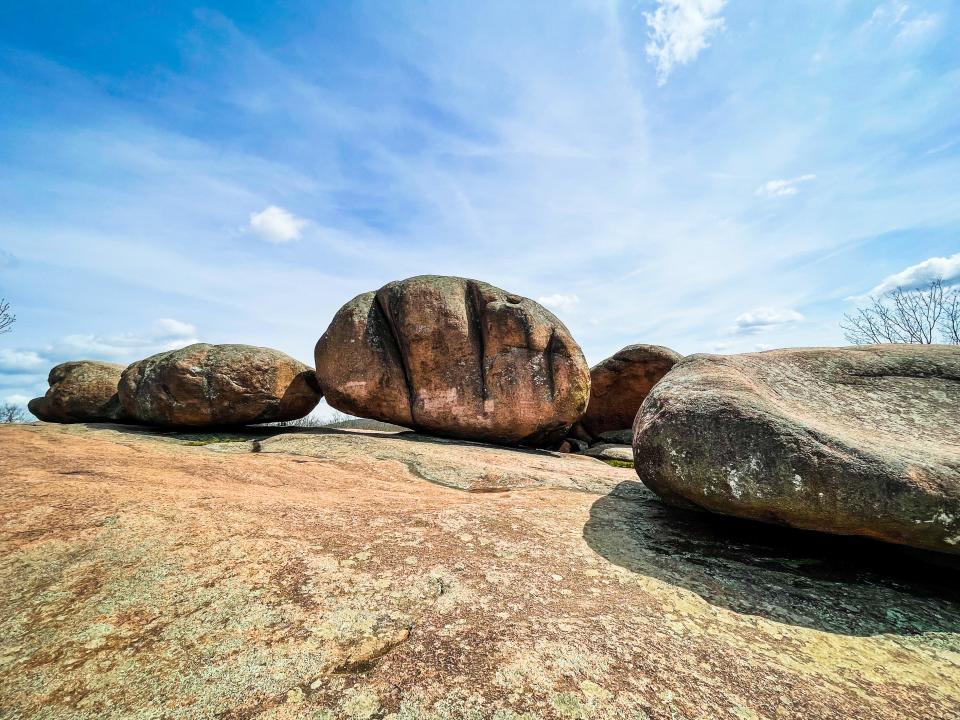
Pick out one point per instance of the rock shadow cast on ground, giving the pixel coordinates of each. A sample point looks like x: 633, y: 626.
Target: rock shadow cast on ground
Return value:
x: 842, y: 585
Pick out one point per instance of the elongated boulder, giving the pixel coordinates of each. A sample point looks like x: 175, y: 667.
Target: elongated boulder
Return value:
x: 855, y: 441
x: 619, y: 385
x: 80, y: 391
x: 454, y: 357
x: 212, y: 385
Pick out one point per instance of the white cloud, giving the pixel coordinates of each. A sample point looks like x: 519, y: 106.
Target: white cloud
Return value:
x: 276, y: 225
x: 763, y: 319
x: 889, y: 13
x: 912, y: 29
x: 945, y: 268
x: 915, y: 32
x: 168, y: 327
x: 782, y: 188
x: 21, y: 361
x: 559, y: 302
x: 167, y: 334
x: 679, y: 30
x: 17, y: 399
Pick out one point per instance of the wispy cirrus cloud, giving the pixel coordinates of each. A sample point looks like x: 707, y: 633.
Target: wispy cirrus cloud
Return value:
x: 783, y: 188
x: 679, y: 30
x: 911, y: 27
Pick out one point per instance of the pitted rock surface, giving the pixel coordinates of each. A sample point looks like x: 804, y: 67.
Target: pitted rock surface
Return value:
x: 210, y: 385
x: 454, y: 357
x: 855, y: 441
x: 148, y: 574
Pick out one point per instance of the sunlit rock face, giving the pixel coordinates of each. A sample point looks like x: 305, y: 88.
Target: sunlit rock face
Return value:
x: 855, y: 441
x: 211, y: 385
x: 81, y: 391
x: 455, y: 357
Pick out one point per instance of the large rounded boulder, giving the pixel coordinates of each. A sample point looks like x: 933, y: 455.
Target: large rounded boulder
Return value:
x: 619, y: 385
x: 454, y: 357
x: 218, y: 385
x: 854, y: 441
x: 81, y: 391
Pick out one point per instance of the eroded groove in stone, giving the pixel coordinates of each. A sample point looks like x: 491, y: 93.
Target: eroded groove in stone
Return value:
x: 474, y: 307
x: 475, y: 362
x: 393, y: 336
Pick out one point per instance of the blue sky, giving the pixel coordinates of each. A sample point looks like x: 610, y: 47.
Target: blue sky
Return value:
x: 713, y: 176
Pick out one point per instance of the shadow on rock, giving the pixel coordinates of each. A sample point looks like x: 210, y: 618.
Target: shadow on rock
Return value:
x: 841, y: 585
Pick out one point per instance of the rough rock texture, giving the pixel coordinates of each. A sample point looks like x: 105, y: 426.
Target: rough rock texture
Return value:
x: 454, y: 357
x: 206, y: 385
x: 855, y: 441
x: 80, y: 391
x: 330, y: 575
x: 619, y: 384
x: 610, y: 451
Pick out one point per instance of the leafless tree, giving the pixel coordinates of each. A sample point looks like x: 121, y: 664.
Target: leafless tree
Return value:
x: 950, y: 325
x: 10, y: 413
x: 6, y: 317
x: 924, y: 316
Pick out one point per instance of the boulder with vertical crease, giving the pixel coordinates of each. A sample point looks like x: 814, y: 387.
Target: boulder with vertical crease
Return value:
x: 454, y: 357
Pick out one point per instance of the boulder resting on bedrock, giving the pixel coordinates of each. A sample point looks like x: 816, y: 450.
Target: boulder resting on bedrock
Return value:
x: 855, y: 440
x: 455, y: 357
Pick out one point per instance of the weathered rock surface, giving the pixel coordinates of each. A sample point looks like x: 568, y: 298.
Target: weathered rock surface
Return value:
x: 610, y: 451
x: 454, y: 357
x: 80, y: 391
x: 207, y: 385
x: 619, y: 384
x: 349, y: 575
x: 855, y: 441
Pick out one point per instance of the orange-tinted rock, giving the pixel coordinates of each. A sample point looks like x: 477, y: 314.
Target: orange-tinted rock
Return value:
x: 207, y: 385
x: 454, y: 357
x: 81, y: 391
x: 619, y: 384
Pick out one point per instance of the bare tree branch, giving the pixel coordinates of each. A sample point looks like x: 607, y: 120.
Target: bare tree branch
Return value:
x: 922, y: 316
x: 6, y: 317
x: 10, y: 413
x: 950, y: 322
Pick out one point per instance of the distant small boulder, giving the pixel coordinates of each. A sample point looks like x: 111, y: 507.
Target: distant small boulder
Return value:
x: 80, y: 391
x: 853, y: 441
x: 214, y: 385
x: 455, y: 357
x: 619, y: 384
